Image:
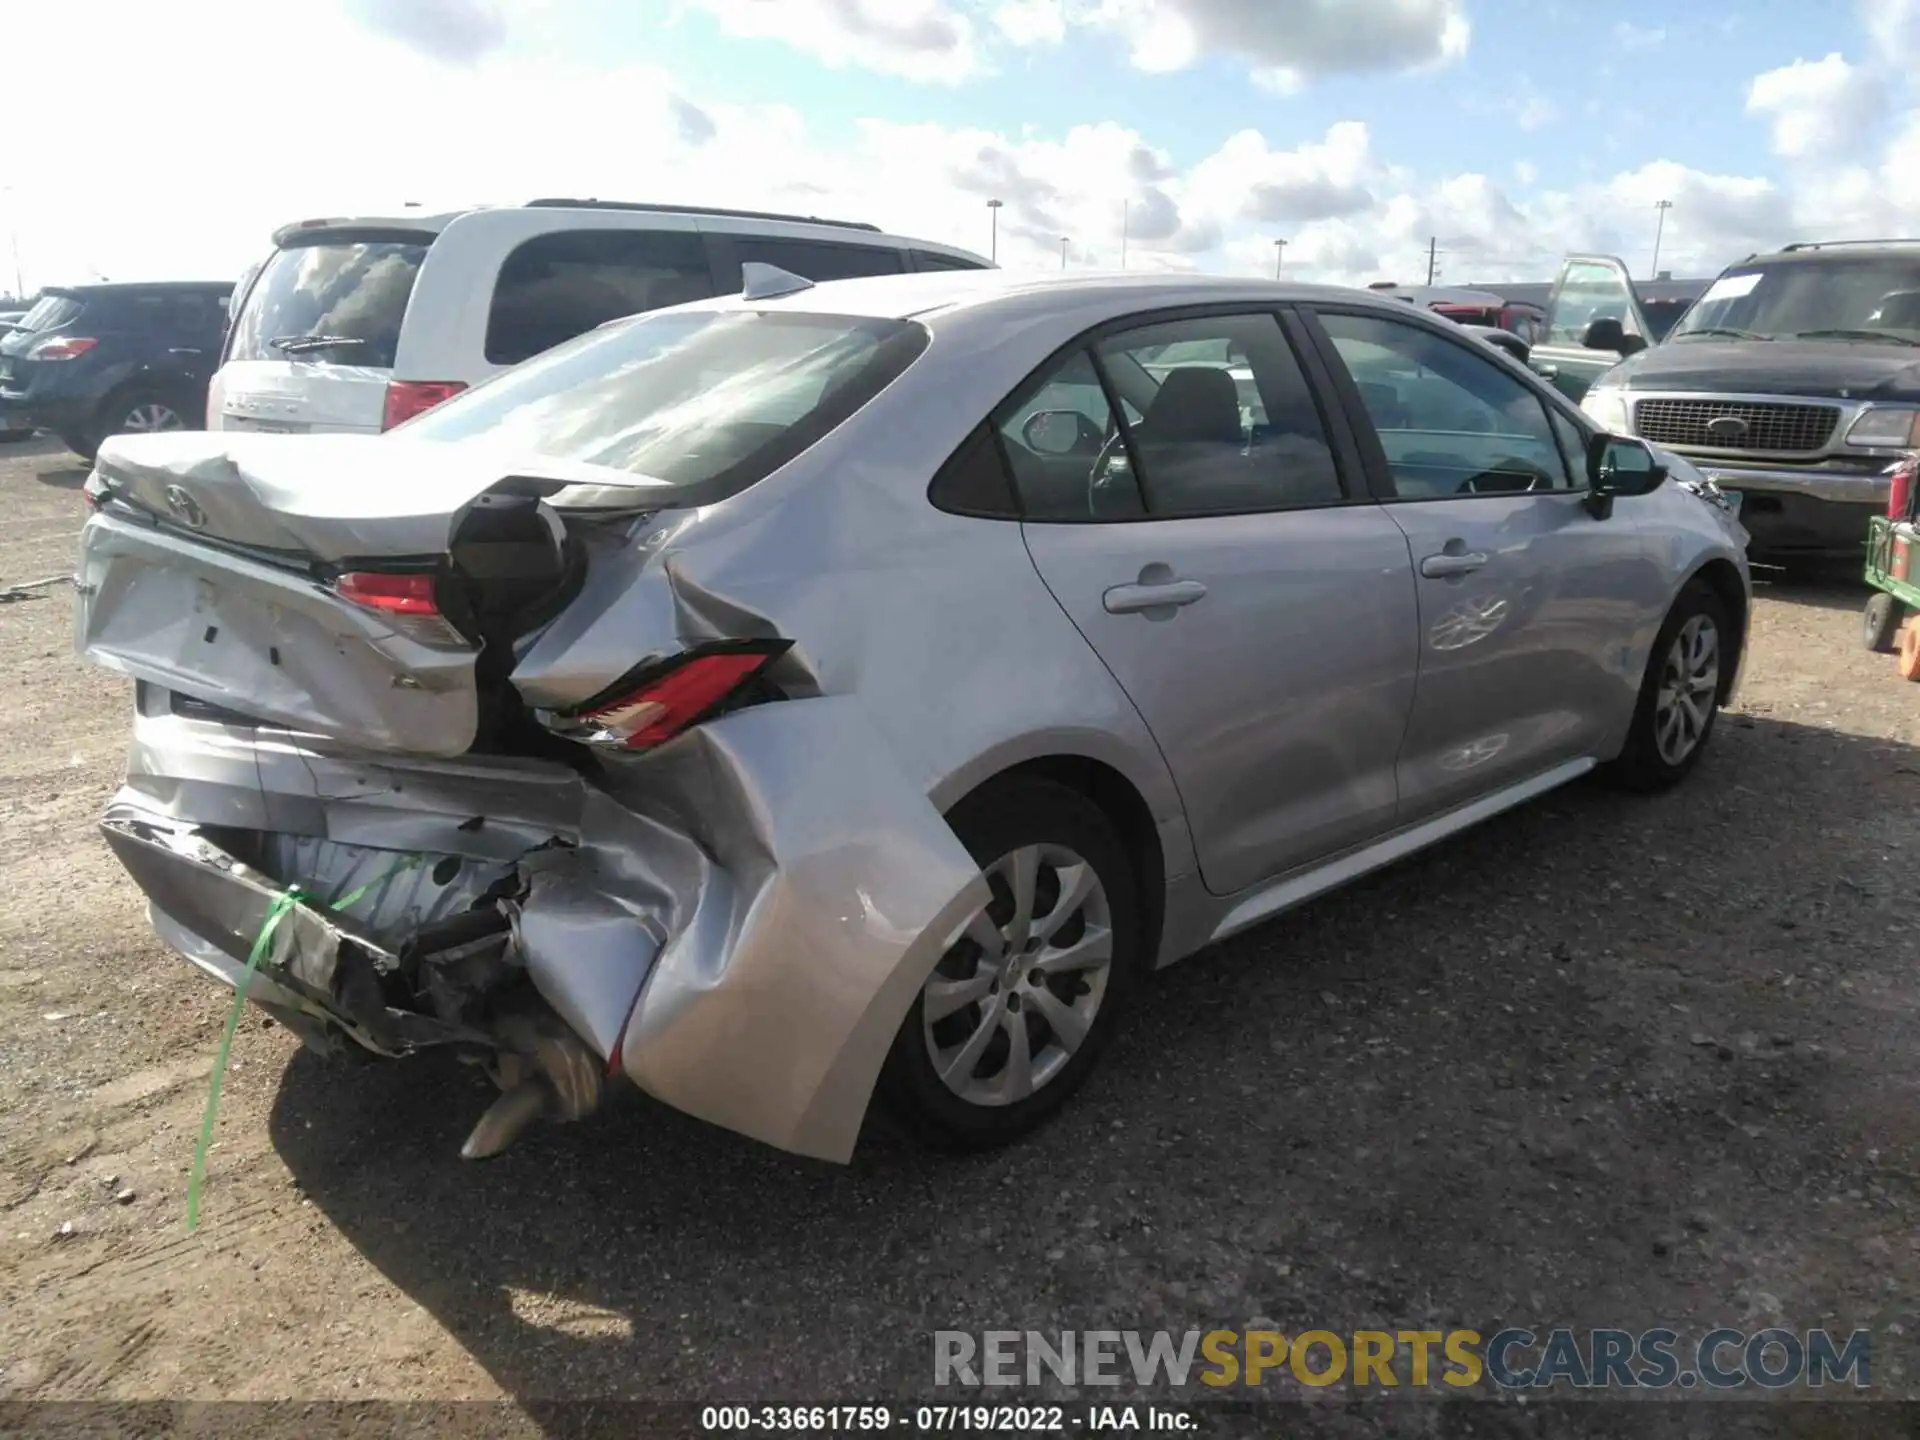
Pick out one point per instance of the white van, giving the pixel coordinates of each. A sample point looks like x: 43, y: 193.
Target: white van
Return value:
x: 359, y: 324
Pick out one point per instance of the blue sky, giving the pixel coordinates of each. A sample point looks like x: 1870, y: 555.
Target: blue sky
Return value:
x: 1515, y: 130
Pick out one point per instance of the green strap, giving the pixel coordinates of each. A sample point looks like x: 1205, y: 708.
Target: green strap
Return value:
x: 285, y: 901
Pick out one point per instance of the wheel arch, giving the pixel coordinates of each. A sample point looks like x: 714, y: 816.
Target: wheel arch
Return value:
x: 158, y: 383
x: 1120, y: 800
x: 1722, y: 577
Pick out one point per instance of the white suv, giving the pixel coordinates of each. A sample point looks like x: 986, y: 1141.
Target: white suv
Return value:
x: 360, y: 324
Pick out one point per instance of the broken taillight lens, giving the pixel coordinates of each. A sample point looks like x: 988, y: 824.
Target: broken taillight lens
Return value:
x: 408, y: 598
x: 652, y: 705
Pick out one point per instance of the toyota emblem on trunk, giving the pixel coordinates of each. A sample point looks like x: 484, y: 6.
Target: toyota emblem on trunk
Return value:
x: 186, y: 508
x: 1727, y: 427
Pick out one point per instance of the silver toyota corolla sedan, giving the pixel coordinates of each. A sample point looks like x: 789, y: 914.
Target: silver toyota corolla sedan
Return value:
x: 842, y: 693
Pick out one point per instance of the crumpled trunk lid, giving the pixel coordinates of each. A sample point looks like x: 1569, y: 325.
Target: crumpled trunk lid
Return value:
x: 213, y: 567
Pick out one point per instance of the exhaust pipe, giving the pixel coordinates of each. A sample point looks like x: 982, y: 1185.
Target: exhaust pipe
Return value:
x: 544, y: 1071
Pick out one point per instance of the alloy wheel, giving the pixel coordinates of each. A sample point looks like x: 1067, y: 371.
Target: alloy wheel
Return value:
x: 1689, y: 683
x: 150, y: 417
x: 1007, y: 1007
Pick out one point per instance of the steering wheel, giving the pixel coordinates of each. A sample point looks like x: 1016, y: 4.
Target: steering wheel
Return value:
x: 1471, y: 485
x: 1107, y: 495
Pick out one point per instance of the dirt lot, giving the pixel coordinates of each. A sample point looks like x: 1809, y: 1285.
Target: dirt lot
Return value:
x: 1603, y: 1062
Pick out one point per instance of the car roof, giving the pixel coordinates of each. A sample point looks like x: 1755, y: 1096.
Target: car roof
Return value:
x: 904, y: 297
x: 843, y: 232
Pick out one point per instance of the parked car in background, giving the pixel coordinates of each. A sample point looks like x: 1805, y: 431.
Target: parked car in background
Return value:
x: 1794, y: 382
x: 1485, y: 308
x: 11, y: 431
x: 655, y: 709
x: 360, y: 324
x: 1597, y: 290
x: 89, y: 361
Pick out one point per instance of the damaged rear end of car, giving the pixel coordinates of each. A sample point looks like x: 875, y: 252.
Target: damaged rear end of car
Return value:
x: 441, y: 742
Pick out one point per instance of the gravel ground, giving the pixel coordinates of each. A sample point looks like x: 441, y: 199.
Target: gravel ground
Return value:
x: 1602, y: 1062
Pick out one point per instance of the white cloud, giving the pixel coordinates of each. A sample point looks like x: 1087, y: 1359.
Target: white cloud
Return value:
x: 925, y: 40
x: 1287, y: 45
x: 1348, y: 212
x: 1634, y: 37
x: 1818, y: 107
x: 1032, y: 22
x: 458, y: 31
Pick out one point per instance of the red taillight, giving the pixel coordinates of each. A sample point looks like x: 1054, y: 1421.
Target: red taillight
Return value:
x: 61, y: 347
x: 406, y: 598
x: 396, y: 594
x: 651, y: 708
x: 408, y: 398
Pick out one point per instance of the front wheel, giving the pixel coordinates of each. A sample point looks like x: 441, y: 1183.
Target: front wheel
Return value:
x: 1016, y: 1013
x: 1680, y: 697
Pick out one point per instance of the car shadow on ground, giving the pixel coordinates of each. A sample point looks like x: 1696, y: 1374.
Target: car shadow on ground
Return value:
x: 54, y: 464
x: 1580, y: 1066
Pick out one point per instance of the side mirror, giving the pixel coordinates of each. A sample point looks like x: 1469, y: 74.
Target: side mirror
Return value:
x: 1605, y: 333
x: 1617, y: 465
x: 1055, y: 432
x: 1631, y: 345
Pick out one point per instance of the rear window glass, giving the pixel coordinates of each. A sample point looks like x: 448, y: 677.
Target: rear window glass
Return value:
x: 354, y: 292
x: 557, y: 286
x: 705, y: 402
x: 49, y: 311
x: 933, y: 260
x: 819, y: 260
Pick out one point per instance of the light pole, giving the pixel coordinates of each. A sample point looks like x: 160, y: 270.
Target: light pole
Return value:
x: 1659, y: 225
x: 1279, y: 249
x: 993, y: 208
x: 1063, y: 252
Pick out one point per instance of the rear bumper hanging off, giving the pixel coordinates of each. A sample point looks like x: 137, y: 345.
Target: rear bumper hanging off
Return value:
x: 737, y: 923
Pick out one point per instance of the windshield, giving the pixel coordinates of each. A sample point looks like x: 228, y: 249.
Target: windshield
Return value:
x: 707, y: 401
x: 1856, y: 296
x: 354, y: 292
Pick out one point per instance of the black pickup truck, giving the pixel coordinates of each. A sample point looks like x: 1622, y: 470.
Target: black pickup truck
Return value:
x: 1793, y: 381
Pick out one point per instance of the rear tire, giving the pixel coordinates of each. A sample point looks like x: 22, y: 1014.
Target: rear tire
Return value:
x: 1880, y: 623
x: 1022, y: 1024
x: 136, y: 412
x: 1680, y: 696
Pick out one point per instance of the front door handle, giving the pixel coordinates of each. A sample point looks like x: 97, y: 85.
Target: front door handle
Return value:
x: 1132, y: 599
x: 1547, y: 372
x: 1437, y: 566
x: 183, y: 350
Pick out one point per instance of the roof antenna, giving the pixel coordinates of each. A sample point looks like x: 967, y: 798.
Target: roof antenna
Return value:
x: 760, y: 281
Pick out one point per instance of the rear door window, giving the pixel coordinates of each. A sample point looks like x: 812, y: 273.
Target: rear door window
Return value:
x: 819, y: 260
x: 351, y: 291
x: 566, y: 283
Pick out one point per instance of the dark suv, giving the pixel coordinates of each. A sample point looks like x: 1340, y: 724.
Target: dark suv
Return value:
x: 89, y: 361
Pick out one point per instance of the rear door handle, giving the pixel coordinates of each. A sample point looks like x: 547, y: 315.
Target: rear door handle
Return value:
x: 1436, y: 566
x: 181, y: 350
x: 1131, y: 599
x: 1547, y: 372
